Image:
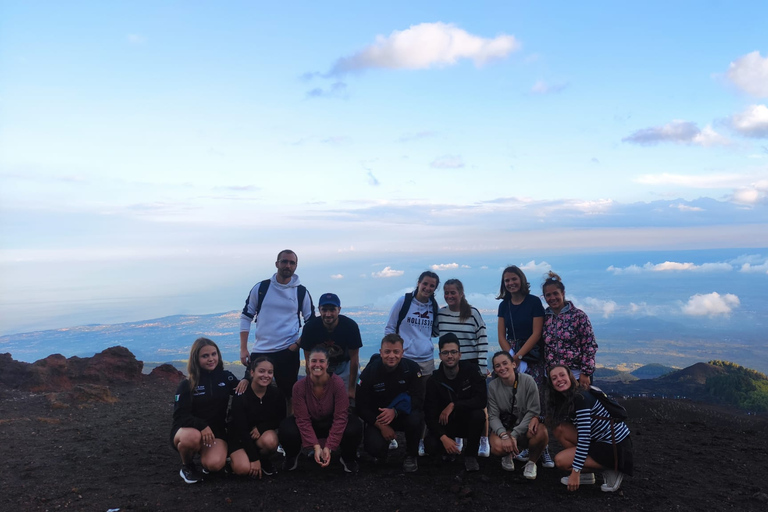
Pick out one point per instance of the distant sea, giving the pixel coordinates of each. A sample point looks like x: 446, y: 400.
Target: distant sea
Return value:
x: 623, y: 343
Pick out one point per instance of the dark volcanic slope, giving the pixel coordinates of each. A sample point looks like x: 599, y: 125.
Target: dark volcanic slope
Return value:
x: 108, y: 456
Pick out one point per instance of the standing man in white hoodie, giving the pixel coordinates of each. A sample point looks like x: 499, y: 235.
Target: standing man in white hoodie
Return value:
x: 277, y: 306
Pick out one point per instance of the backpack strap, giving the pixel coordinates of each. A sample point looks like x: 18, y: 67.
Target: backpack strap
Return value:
x: 598, y: 394
x: 301, y: 292
x: 403, y: 311
x: 263, y: 287
x: 435, y: 325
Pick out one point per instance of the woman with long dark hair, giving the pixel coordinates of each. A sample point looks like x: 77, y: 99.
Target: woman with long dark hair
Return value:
x: 256, y: 414
x: 466, y: 322
x: 200, y: 410
x: 521, y: 318
x: 513, y: 415
x: 592, y: 441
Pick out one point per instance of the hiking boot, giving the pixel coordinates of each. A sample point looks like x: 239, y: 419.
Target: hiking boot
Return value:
x: 485, y: 448
x: 584, y: 479
x: 522, y: 456
x: 460, y: 444
x: 290, y: 463
x: 529, y: 471
x: 393, y: 444
x: 189, y: 473
x: 470, y: 464
x: 612, y: 480
x: 508, y: 463
x: 349, y: 467
x: 422, y: 450
x: 546, y: 459
x: 410, y: 464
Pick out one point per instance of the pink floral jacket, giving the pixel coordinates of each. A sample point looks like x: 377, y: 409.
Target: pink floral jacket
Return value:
x: 569, y: 339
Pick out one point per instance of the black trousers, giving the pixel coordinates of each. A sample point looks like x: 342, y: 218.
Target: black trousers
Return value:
x: 468, y: 424
x: 409, y: 424
x: 290, y: 436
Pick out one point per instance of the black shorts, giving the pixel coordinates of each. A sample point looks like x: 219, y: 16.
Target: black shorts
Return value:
x: 603, y: 455
x: 219, y: 432
x: 287, y: 366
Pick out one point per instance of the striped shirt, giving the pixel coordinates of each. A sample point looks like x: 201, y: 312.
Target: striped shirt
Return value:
x: 590, y: 429
x: 473, y: 340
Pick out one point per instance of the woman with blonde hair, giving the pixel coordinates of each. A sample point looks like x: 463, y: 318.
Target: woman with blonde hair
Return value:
x: 200, y: 410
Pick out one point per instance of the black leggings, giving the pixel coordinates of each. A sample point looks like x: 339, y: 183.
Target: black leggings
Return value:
x: 290, y: 436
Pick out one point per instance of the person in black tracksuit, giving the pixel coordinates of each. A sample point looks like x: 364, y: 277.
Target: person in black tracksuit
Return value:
x: 389, y: 398
x: 200, y: 410
x: 255, y: 416
x: 454, y: 405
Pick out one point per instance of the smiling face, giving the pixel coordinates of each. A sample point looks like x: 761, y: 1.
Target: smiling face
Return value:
x: 504, y: 366
x: 208, y: 358
x: 263, y: 374
x: 450, y: 355
x: 512, y: 283
x: 561, y: 379
x: 330, y: 315
x: 426, y: 288
x: 318, y: 364
x: 554, y: 297
x: 452, y: 296
x: 391, y: 354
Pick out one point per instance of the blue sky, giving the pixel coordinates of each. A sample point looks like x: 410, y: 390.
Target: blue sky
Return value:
x: 156, y: 155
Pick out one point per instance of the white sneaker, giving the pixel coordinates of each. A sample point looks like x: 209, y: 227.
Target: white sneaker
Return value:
x: 508, y: 463
x: 422, y: 450
x: 612, y: 480
x: 529, y: 471
x: 280, y: 450
x: 584, y: 479
x: 460, y: 444
x: 485, y: 448
x: 393, y: 444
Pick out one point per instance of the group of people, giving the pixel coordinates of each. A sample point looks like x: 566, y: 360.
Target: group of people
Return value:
x: 541, y: 383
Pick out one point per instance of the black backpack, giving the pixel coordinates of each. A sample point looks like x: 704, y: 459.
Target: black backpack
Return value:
x: 404, y: 312
x: 616, y: 411
x: 301, y: 292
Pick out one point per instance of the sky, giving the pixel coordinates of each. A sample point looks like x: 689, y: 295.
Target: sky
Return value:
x: 155, y: 156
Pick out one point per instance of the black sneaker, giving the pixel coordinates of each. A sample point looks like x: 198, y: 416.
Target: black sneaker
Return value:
x: 290, y: 463
x: 267, y: 468
x: 190, y: 474
x: 349, y: 467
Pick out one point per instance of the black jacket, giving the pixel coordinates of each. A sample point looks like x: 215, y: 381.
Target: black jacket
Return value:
x: 467, y: 392
x: 378, y: 387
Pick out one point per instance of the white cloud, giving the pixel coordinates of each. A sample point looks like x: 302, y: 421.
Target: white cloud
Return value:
x: 686, y: 208
x: 448, y: 162
x: 337, y: 276
x: 388, y: 272
x: 644, y: 309
x: 750, y: 74
x: 758, y: 269
x: 711, y: 304
x: 680, y: 132
x: 542, y: 87
x: 696, y: 181
x: 444, y: 266
x: 606, y: 308
x: 671, y: 266
x: 752, y: 194
x: 535, y: 268
x: 425, y: 46
x: 753, y: 122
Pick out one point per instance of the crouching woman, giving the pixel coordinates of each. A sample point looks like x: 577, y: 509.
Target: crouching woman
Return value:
x: 591, y: 440
x: 200, y: 410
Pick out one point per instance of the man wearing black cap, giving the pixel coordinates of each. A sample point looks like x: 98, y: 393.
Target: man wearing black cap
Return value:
x: 339, y: 335
x: 454, y: 405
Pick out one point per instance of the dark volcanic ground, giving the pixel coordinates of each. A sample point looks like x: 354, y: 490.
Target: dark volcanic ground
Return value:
x: 101, y: 456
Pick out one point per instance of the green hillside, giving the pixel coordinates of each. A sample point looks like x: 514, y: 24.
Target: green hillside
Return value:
x: 739, y: 386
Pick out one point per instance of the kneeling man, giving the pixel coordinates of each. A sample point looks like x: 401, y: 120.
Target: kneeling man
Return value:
x: 454, y: 405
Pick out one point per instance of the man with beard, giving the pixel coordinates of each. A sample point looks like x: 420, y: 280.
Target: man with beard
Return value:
x: 277, y: 306
x: 339, y: 335
x: 454, y: 405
